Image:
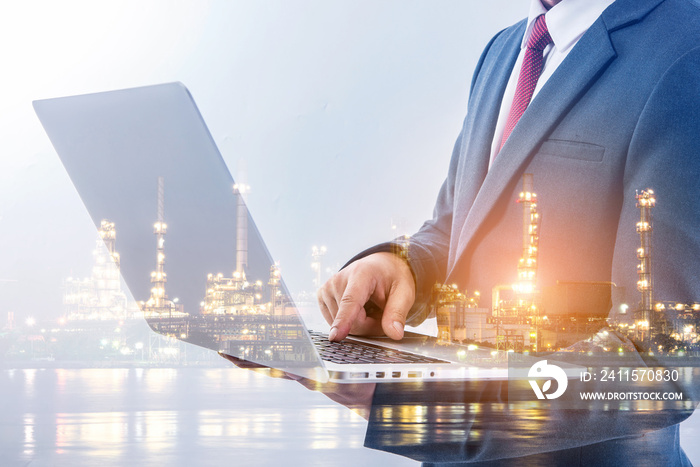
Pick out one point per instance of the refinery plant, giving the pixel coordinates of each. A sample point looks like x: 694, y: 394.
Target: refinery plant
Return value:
x: 256, y: 319
x: 524, y: 318
x: 100, y: 296
x: 237, y: 315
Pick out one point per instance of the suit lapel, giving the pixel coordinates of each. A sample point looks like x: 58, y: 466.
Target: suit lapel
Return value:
x: 481, y: 120
x: 576, y: 73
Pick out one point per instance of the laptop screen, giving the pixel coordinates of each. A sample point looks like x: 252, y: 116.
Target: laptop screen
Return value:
x: 147, y: 168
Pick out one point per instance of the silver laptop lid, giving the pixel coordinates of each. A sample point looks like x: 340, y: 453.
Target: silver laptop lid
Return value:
x: 144, y: 160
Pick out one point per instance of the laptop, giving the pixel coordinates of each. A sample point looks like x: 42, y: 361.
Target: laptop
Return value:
x: 143, y: 161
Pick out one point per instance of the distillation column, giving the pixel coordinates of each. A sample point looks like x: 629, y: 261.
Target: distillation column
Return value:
x: 645, y: 201
x: 158, y: 278
x: 274, y: 284
x: 526, y: 287
x: 527, y: 266
x: 317, y: 255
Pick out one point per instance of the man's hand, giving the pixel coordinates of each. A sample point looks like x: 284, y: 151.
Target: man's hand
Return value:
x: 382, y: 278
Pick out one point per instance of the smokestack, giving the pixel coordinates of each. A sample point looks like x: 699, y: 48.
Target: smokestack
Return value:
x: 240, y: 190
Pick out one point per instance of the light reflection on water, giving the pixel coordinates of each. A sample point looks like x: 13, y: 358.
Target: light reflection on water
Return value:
x: 183, y: 416
x: 201, y: 416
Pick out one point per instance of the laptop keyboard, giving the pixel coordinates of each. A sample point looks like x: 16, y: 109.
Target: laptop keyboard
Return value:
x: 360, y: 352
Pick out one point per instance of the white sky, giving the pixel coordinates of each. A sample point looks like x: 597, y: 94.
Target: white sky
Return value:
x: 346, y: 112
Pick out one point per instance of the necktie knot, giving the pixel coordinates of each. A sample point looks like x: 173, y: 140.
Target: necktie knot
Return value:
x: 540, y: 38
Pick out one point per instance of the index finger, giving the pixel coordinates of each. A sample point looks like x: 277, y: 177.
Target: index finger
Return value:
x: 355, y: 295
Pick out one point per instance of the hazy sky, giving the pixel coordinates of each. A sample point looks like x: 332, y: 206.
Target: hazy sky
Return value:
x: 345, y: 111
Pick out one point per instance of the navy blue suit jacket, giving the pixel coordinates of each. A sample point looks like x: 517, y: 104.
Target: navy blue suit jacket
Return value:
x: 620, y: 114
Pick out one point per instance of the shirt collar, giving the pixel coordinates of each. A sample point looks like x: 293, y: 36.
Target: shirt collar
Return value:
x: 567, y: 21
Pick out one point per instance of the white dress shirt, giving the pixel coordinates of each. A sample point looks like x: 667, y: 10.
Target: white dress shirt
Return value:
x: 567, y: 21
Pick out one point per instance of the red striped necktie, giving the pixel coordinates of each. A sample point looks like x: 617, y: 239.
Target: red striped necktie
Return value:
x: 529, y: 74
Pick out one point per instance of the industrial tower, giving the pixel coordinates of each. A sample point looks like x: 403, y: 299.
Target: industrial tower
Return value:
x: 241, y: 190
x: 646, y: 200
x: 158, y: 278
x: 158, y: 304
x: 235, y: 295
x: 317, y: 256
x: 100, y: 296
x: 527, y: 265
x: 516, y: 319
x: 275, y: 292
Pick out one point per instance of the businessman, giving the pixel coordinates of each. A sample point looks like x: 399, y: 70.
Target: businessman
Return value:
x: 597, y: 99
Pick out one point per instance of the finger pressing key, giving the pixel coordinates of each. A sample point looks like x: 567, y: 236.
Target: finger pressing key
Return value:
x: 354, y: 297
